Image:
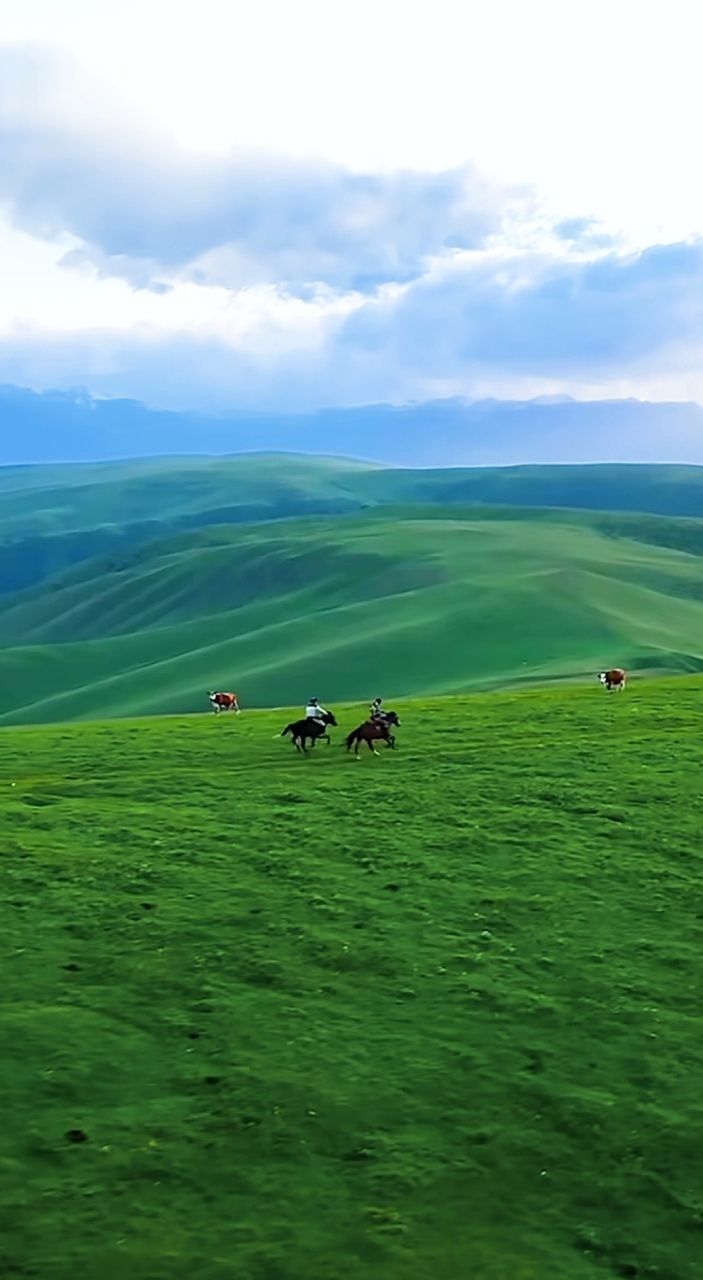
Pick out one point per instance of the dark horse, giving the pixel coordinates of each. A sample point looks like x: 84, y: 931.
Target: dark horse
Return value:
x: 374, y: 731
x: 304, y: 730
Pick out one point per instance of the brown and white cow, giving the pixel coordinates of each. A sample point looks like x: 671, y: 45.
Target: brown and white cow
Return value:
x: 614, y: 679
x: 224, y: 702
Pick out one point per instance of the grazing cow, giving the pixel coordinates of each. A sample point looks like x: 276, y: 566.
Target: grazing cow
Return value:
x: 614, y: 679
x: 224, y: 702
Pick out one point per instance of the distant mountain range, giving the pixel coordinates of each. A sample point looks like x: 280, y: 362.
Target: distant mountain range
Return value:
x: 54, y: 426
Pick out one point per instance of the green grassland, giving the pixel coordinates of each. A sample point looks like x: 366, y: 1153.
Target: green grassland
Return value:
x: 431, y: 1015
x: 401, y: 601
x: 131, y: 588
x: 52, y: 517
x: 60, y: 499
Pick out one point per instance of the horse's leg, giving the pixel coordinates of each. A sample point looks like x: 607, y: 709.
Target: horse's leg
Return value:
x: 370, y: 745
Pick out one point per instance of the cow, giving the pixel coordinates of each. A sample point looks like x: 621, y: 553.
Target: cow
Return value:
x: 614, y: 679
x: 224, y: 702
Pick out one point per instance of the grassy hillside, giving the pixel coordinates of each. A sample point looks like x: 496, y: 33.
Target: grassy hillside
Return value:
x: 66, y: 497
x: 52, y: 517
x: 404, y: 602
x: 430, y: 1016
x: 70, y: 497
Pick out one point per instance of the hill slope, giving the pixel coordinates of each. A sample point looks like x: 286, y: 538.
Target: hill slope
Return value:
x: 405, y: 602
x: 54, y: 517
x: 248, y: 1031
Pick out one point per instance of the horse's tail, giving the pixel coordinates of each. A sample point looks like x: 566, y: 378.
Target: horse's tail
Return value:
x: 351, y: 738
x: 288, y: 729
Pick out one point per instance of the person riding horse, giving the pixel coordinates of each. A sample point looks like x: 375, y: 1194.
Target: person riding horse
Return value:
x: 377, y: 715
x: 377, y: 727
x: 315, y: 712
x: 313, y: 728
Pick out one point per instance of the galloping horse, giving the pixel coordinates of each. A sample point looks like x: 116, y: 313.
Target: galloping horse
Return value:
x: 302, y: 730
x: 374, y: 731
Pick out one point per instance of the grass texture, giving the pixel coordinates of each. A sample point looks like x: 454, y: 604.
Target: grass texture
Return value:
x: 431, y: 1015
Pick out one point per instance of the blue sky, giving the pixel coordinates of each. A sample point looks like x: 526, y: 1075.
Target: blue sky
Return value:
x: 223, y: 205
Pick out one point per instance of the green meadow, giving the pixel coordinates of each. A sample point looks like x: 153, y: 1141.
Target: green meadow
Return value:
x: 431, y: 1015
x: 131, y: 588
x: 397, y: 601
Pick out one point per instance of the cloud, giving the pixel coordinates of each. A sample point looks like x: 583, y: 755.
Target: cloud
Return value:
x: 203, y: 281
x: 144, y: 208
x: 493, y: 325
x: 529, y: 315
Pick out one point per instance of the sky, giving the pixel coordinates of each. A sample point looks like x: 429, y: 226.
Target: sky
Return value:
x: 224, y: 205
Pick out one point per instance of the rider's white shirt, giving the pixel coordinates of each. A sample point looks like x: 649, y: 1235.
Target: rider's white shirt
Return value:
x: 314, y: 713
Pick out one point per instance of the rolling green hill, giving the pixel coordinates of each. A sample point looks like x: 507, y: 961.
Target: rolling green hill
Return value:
x: 405, y: 602
x: 428, y: 1016
x: 52, y: 517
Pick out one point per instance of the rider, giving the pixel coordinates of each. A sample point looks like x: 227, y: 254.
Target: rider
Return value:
x: 315, y: 712
x: 377, y: 715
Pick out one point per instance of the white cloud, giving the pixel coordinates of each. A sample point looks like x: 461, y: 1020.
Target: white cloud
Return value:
x: 510, y: 325
x: 151, y: 247
x: 596, y: 103
x: 142, y: 206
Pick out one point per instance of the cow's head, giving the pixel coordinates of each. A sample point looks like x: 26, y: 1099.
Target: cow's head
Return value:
x: 603, y: 677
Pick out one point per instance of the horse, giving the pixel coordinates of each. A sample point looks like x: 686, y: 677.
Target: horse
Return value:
x: 374, y: 731
x: 302, y: 730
